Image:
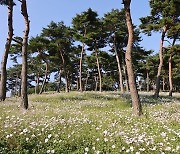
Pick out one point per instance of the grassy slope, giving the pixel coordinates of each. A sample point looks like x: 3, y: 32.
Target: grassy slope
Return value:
x: 90, y: 123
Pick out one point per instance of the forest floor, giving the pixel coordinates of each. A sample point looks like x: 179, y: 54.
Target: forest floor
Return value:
x: 90, y: 122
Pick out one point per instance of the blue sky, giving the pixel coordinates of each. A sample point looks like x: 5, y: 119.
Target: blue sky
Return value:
x: 42, y: 12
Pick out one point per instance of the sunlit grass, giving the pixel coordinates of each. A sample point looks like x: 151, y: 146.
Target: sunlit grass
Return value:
x: 90, y: 122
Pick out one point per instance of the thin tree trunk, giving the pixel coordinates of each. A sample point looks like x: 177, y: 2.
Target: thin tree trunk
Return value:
x: 156, y: 94
x: 77, y: 84
x: 45, y: 78
x: 65, y: 72
x: 24, y: 96
x: 59, y: 84
x: 170, y: 71
x: 80, y: 69
x: 131, y: 78
x: 85, y: 87
x: 80, y: 65
x: 147, y: 81
x: 37, y: 84
x: 6, y: 51
x: 120, y: 72
x: 99, y: 71
x: 163, y: 88
x: 96, y: 83
x: 125, y: 77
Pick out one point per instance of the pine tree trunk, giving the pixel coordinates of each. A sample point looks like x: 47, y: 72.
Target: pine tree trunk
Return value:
x: 65, y: 72
x: 120, y: 72
x: 163, y: 89
x: 85, y: 87
x: 125, y: 77
x: 80, y: 69
x: 131, y: 78
x: 24, y: 96
x: 147, y: 81
x: 99, y: 71
x: 156, y: 94
x: 170, y: 71
x: 6, y: 51
x: 45, y: 78
x: 59, y: 84
x: 96, y: 83
x: 37, y: 84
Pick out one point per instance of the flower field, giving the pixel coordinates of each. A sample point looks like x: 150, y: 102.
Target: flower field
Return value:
x: 91, y: 123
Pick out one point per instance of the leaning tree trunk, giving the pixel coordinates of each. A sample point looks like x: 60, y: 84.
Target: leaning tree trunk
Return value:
x: 131, y: 78
x: 120, y: 71
x: 170, y: 71
x: 24, y: 96
x: 99, y: 71
x: 45, y: 78
x: 156, y: 94
x: 5, y: 55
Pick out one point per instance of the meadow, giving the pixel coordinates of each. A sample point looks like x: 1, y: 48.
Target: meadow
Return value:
x: 90, y: 123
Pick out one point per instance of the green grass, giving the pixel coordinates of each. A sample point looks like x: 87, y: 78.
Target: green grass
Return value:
x: 89, y: 122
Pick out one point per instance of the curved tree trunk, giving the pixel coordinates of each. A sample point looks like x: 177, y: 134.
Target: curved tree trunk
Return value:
x: 120, y: 72
x: 156, y: 94
x: 131, y: 78
x: 24, y: 96
x: 99, y: 71
x: 45, y: 78
x: 5, y: 55
x: 119, y: 67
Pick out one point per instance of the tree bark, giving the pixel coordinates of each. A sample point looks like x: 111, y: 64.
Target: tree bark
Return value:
x: 6, y: 51
x: 125, y: 77
x: 96, y: 83
x: 99, y: 71
x: 163, y: 88
x: 45, y: 78
x: 85, y: 87
x: 24, y: 96
x: 37, y: 84
x: 120, y: 72
x: 156, y: 94
x: 131, y: 78
x: 65, y: 72
x: 80, y: 65
x: 147, y: 81
x: 59, y: 84
x: 80, y: 69
x: 119, y: 67
x: 170, y: 71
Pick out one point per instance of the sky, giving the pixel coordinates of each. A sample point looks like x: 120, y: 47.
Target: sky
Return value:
x: 42, y: 12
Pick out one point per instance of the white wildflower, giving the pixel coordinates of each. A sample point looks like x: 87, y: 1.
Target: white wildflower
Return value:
x: 113, y: 146
x: 46, y: 140
x: 168, y: 148
x: 86, y: 149
x: 49, y: 136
